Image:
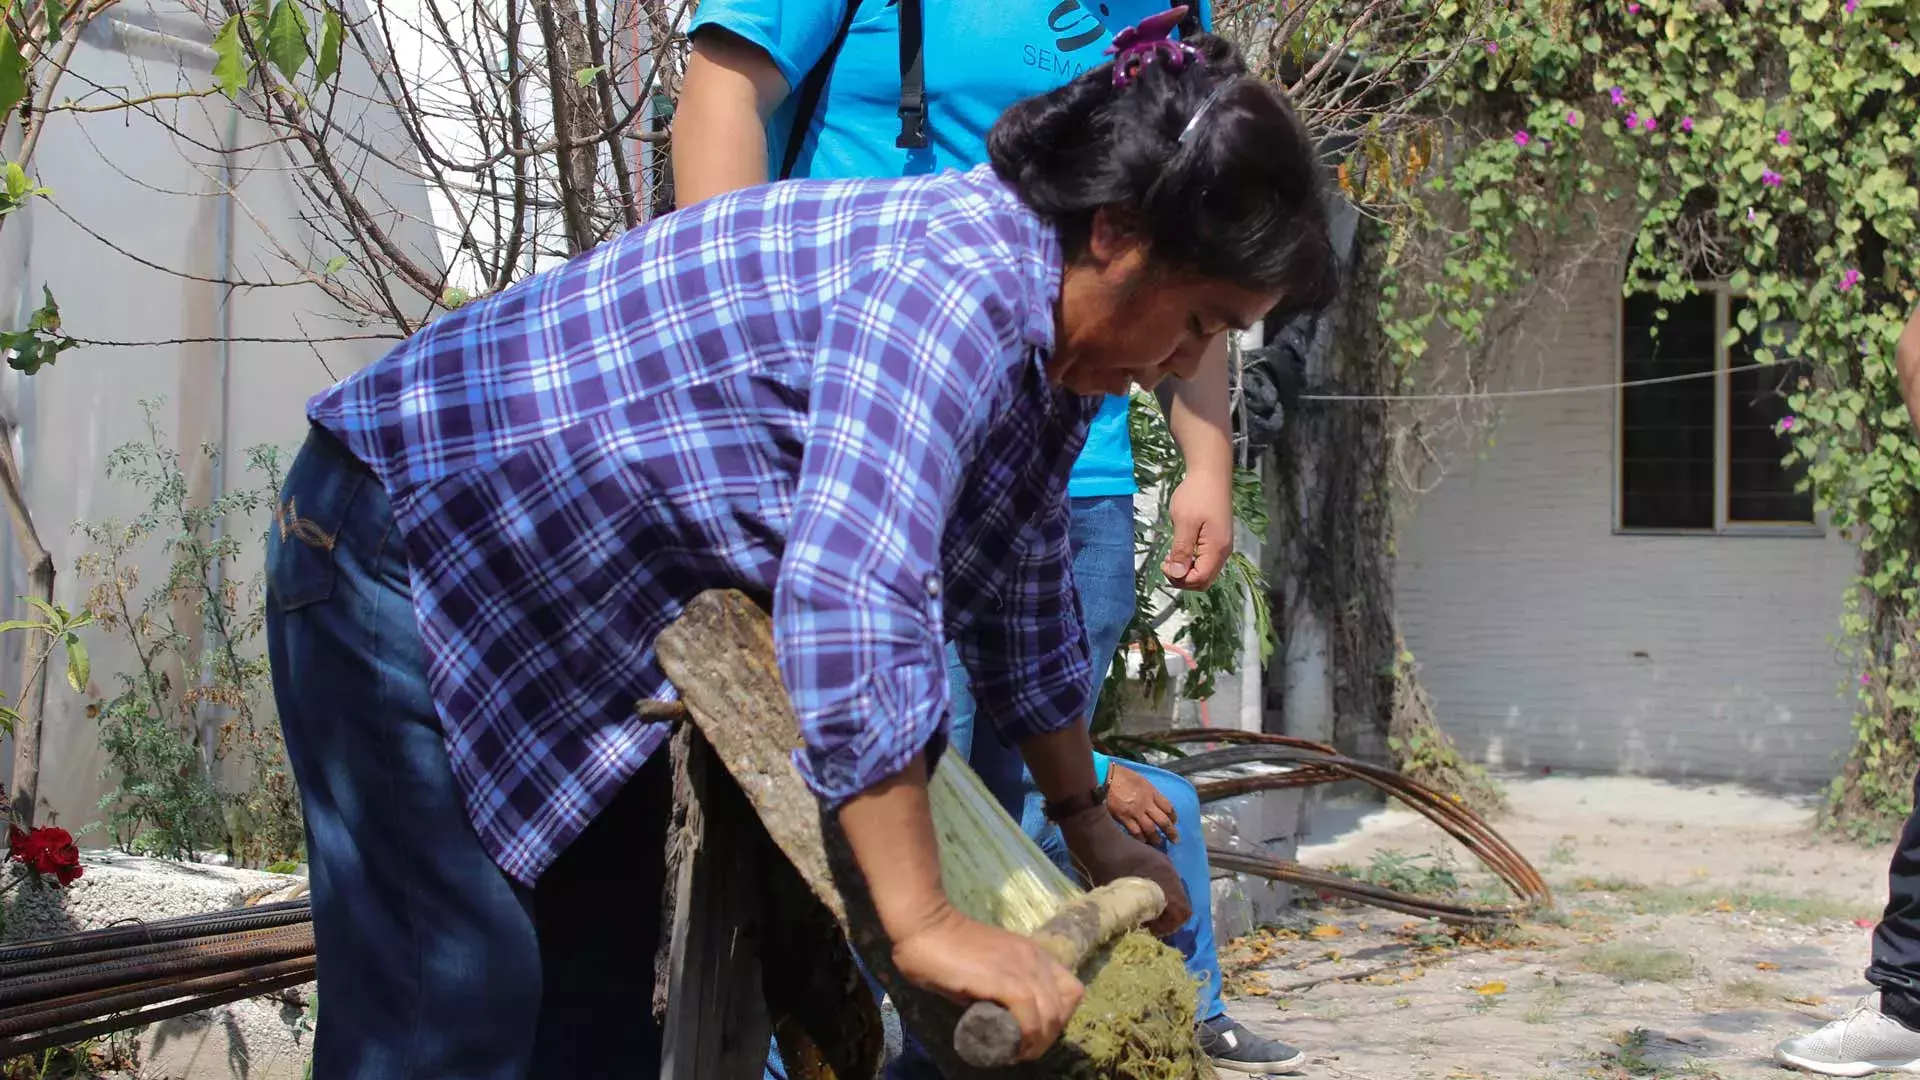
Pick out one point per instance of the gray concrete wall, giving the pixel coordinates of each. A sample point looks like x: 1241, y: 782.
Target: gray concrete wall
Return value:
x: 1549, y: 639
x: 161, y: 197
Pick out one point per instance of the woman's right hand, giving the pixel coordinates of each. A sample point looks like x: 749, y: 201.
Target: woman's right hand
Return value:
x: 967, y: 961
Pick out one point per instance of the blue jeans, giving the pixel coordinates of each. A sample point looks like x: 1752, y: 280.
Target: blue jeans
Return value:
x: 432, y: 961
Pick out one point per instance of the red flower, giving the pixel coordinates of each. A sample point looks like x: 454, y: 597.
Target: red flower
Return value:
x: 49, y: 851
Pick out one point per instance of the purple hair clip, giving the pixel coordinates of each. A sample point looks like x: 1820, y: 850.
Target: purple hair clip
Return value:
x: 1137, y: 46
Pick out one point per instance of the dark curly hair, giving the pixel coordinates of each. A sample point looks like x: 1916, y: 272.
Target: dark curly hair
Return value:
x: 1239, y: 199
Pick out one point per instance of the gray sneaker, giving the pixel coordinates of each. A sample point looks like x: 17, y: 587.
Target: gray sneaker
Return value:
x: 1863, y: 1042
x: 1234, y: 1048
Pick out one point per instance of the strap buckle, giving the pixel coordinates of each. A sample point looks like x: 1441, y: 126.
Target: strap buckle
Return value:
x: 913, y: 127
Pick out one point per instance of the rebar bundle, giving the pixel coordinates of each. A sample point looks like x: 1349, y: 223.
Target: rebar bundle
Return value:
x: 1310, y: 763
x: 63, y: 990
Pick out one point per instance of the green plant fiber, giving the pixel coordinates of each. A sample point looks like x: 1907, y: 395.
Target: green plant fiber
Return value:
x: 1136, y: 1021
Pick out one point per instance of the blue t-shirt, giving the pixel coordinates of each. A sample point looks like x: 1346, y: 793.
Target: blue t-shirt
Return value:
x: 981, y: 56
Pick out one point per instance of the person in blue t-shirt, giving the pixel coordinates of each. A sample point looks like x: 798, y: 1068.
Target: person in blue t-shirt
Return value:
x: 734, y: 118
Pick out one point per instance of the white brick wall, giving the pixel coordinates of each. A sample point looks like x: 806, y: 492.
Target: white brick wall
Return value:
x: 1548, y: 640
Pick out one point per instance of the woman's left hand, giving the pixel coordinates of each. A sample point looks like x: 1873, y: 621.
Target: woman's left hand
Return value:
x: 1202, y: 513
x: 1107, y: 854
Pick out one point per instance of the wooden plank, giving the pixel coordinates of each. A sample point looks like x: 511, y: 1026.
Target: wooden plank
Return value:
x: 716, y: 1024
x: 719, y: 655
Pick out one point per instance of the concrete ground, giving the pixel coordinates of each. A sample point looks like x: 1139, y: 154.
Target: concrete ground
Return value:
x: 1698, y: 926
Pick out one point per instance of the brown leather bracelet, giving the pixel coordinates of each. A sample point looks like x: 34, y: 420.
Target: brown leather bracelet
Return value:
x: 1078, y: 804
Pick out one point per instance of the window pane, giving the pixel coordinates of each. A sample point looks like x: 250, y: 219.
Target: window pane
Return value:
x: 1666, y: 430
x: 1759, y: 488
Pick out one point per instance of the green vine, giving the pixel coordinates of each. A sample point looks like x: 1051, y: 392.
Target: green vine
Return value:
x: 1765, y: 145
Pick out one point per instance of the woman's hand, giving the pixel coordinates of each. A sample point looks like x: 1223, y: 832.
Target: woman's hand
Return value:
x: 1107, y: 853
x: 1139, y: 807
x: 967, y: 961
x: 1202, y: 515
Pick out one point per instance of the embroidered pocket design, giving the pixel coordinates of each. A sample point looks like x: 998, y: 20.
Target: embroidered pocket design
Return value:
x: 286, y: 517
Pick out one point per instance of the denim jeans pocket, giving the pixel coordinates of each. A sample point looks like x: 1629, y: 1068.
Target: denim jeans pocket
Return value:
x: 307, y: 524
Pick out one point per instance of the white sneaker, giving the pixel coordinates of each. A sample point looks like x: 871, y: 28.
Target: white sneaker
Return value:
x: 1863, y: 1042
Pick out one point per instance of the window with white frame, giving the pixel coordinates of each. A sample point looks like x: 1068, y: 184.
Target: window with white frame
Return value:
x: 1701, y: 443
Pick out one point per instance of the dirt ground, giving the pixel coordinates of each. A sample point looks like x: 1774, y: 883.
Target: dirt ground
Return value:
x: 1697, y: 927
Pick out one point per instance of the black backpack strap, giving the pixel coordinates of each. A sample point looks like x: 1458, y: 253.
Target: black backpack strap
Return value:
x: 913, y: 79
x: 808, y: 100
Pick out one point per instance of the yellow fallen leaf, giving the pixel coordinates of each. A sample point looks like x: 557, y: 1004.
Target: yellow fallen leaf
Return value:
x: 1333, y: 955
x: 1327, y: 930
x: 1765, y: 966
x: 1722, y: 905
x: 1806, y: 1001
x: 1490, y: 989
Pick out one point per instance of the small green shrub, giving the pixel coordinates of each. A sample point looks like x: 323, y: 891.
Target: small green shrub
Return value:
x: 200, y: 691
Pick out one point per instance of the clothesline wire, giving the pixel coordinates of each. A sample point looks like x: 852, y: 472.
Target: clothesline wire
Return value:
x: 1547, y: 391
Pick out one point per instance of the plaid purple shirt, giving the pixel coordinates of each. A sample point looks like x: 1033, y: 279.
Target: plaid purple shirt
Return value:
x: 830, y: 391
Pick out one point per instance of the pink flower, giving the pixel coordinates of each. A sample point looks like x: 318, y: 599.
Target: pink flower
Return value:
x: 1686, y: 124
x: 1866, y: 678
x: 1852, y: 6
x: 1785, y: 137
x: 1521, y: 138
x: 1750, y: 214
x: 1493, y: 46
x: 1618, y: 95
x: 1785, y: 425
x: 1652, y: 123
x: 1633, y: 9
x: 1573, y: 119
x: 1772, y: 179
x: 1633, y: 120
x: 1848, y: 280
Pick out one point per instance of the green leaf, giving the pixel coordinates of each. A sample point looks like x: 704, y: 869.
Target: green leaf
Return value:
x: 331, y: 31
x: 13, y: 72
x: 40, y: 344
x: 18, y: 624
x: 8, y: 719
x: 586, y: 75
x: 16, y: 187
x: 230, y: 61
x: 56, y: 14
x: 335, y: 265
x: 79, y: 668
x: 287, y: 38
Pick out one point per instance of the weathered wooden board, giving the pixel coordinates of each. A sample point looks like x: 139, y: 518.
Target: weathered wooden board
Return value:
x: 719, y: 656
x: 716, y: 1024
